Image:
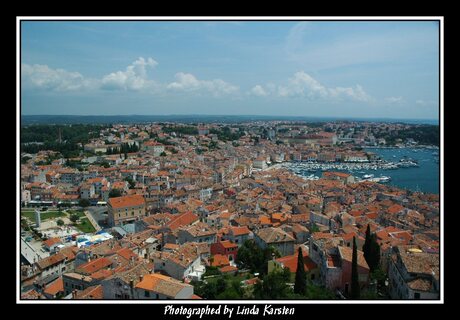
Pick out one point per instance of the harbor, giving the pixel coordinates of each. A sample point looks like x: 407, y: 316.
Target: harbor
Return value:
x: 415, y: 169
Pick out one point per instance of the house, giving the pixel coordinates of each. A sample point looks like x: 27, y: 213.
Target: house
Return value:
x: 54, y: 289
x: 345, y: 258
x: 93, y: 266
x: 126, y: 209
x: 158, y: 286
x: 334, y: 262
x: 301, y: 233
x: 53, y: 265
x: 219, y: 260
x: 87, y: 191
x: 413, y: 274
x: 184, y: 262
x: 52, y: 244
x: 238, y: 235
x: 260, y: 163
x: 291, y: 262
x: 75, y: 281
x: 90, y: 293
x: 153, y: 147
x: 346, y: 178
x: 121, y: 284
x: 276, y: 238
x: 199, y: 232
x: 226, y: 248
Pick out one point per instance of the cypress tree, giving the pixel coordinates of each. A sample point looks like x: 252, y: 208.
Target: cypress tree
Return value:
x: 374, y: 250
x: 367, y: 246
x: 355, y: 291
x: 300, y: 285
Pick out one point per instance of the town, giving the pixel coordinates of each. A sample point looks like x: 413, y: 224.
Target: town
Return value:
x: 170, y: 210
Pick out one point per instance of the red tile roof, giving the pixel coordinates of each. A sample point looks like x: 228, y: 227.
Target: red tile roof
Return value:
x: 127, y: 201
x: 228, y: 269
x: 395, y: 209
x: 93, y: 292
x: 52, y: 241
x: 127, y: 254
x: 290, y: 262
x: 238, y: 231
x: 55, y: 287
x: 228, y: 244
x: 220, y: 260
x: 95, y: 265
x: 184, y: 219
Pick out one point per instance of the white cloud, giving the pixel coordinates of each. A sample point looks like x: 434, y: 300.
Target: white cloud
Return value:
x: 258, y: 90
x: 189, y: 83
x: 133, y: 78
x: 43, y: 77
x: 394, y: 100
x: 304, y: 85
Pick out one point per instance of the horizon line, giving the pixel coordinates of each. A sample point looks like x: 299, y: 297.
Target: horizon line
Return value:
x: 224, y: 115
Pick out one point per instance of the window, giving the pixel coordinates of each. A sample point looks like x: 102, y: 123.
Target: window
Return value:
x: 417, y: 295
x: 312, y: 277
x: 146, y: 293
x: 315, y: 247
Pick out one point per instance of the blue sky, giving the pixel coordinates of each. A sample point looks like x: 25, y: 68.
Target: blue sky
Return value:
x: 345, y: 69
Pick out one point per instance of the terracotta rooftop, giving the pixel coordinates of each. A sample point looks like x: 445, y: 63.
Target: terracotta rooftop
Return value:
x: 161, y: 284
x: 127, y: 201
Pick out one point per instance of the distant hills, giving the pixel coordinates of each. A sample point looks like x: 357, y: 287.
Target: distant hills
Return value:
x: 100, y: 119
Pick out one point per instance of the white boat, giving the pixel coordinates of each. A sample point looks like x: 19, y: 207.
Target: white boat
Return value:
x: 368, y: 176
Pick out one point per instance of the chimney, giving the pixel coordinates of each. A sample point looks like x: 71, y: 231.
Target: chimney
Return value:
x: 141, y: 277
x: 74, y: 294
x: 131, y: 283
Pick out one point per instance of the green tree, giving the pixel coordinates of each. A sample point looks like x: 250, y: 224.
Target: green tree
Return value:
x: 251, y: 256
x: 367, y: 244
x: 300, y: 285
x: 163, y: 154
x: 374, y: 253
x: 371, y: 250
x: 60, y: 222
x: 355, y: 290
x: 84, y: 203
x: 273, y: 285
x: 131, y: 182
x: 74, y: 218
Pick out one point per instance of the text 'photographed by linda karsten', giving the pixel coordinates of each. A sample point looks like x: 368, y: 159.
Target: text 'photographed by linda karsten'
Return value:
x: 228, y: 310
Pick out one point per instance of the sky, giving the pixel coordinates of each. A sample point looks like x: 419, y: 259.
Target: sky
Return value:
x: 294, y: 68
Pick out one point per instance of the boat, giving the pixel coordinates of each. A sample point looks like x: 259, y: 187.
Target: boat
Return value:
x: 368, y: 176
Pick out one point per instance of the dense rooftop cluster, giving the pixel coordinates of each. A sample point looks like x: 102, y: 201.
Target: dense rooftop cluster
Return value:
x: 180, y: 201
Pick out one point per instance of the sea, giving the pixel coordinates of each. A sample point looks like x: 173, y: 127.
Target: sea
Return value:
x: 424, y: 178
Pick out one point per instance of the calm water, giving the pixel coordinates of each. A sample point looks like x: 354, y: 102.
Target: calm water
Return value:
x: 423, y: 178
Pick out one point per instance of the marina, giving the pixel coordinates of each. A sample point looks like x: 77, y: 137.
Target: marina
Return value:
x: 416, y: 169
